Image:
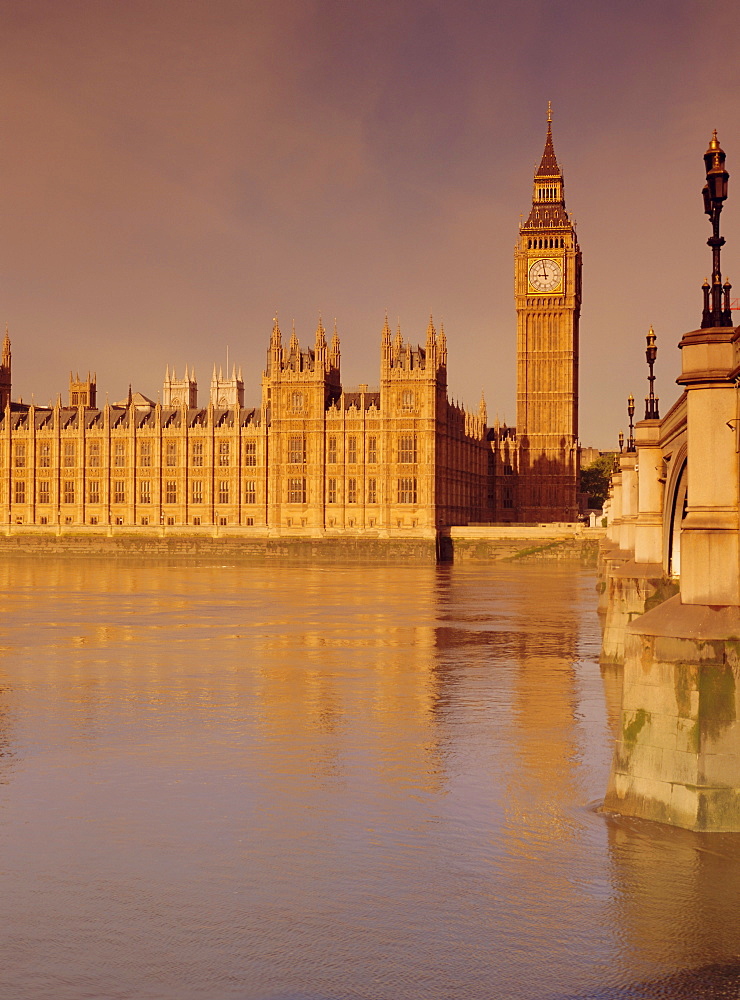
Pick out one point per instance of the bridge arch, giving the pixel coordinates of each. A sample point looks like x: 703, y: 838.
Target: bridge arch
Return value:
x: 674, y: 512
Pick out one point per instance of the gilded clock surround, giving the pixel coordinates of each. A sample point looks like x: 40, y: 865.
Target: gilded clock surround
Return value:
x: 547, y: 282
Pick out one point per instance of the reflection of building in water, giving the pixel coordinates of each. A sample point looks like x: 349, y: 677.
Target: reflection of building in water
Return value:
x: 357, y: 692
x: 338, y: 680
x: 545, y: 712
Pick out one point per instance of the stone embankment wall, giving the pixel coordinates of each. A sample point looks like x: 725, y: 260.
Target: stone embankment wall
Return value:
x: 485, y: 543
x: 533, y: 542
x: 207, y: 548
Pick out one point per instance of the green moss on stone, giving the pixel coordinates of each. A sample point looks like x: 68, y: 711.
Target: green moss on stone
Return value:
x: 631, y: 731
x: 534, y: 550
x: 665, y: 589
x: 683, y: 684
x: 716, y: 698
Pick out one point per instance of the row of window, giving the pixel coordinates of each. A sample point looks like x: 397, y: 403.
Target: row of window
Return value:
x: 546, y: 243
x: 170, y: 521
x: 546, y: 192
x: 68, y: 491
x: 69, y: 454
x: 407, y: 491
x: 407, y: 453
x: 407, y: 401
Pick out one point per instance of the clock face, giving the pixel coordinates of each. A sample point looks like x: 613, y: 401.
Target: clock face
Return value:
x: 545, y: 274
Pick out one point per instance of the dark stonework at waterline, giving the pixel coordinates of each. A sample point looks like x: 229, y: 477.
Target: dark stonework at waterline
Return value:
x: 342, y: 549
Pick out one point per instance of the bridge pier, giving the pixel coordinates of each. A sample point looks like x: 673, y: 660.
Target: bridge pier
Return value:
x: 677, y: 755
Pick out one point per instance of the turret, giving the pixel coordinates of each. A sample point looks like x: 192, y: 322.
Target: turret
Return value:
x: 275, y: 352
x: 334, y: 356
x: 227, y: 392
x: 320, y: 347
x: 82, y: 392
x: 548, y: 192
x: 180, y: 392
x: 5, y: 372
x: 442, y: 347
x: 431, y: 346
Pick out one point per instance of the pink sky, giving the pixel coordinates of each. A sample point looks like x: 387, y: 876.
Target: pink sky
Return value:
x: 175, y: 172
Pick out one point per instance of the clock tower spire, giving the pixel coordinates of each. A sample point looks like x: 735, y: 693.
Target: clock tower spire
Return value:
x: 547, y: 269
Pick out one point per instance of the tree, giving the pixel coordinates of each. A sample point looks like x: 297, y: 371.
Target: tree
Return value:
x: 595, y: 479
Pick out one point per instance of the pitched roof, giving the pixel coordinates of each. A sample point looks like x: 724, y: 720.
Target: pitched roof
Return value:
x: 549, y: 164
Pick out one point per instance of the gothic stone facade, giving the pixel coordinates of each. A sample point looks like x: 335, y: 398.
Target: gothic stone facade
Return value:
x: 311, y: 459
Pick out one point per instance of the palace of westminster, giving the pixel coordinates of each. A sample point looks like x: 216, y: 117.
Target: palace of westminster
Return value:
x: 316, y: 459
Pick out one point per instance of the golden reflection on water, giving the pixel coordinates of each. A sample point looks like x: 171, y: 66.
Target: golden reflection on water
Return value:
x: 276, y: 781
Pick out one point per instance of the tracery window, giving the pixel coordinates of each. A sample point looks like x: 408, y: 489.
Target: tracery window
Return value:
x: 407, y: 449
x: 297, y: 490
x: 297, y: 450
x: 407, y: 490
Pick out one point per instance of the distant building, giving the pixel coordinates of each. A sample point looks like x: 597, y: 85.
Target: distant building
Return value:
x: 314, y: 457
x: 547, y: 282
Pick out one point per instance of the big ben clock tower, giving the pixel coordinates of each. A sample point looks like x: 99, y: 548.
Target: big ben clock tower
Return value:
x: 547, y: 267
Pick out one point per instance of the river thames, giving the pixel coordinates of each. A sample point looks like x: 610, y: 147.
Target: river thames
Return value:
x: 324, y: 782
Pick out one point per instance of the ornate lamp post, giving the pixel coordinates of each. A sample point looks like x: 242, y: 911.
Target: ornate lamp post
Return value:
x: 631, y: 414
x: 715, y: 193
x: 621, y: 442
x: 651, y: 400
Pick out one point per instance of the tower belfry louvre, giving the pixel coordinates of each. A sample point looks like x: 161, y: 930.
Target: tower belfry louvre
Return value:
x: 547, y: 268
